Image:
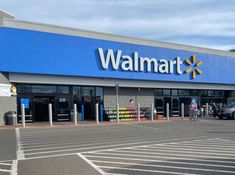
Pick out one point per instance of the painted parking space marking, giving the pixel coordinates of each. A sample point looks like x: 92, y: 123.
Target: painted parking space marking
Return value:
x: 19, y: 150
x: 9, y: 167
x: 162, y: 166
x: 45, y: 147
x: 145, y: 170
x: 75, y: 150
x: 204, y: 163
x: 91, y: 163
x: 153, y: 158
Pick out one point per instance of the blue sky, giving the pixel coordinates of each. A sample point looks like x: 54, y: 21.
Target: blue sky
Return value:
x: 203, y: 23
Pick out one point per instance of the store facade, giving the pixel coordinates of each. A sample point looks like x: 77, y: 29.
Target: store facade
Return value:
x: 63, y: 66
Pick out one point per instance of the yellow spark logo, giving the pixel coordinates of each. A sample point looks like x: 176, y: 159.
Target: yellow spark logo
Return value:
x: 193, y: 63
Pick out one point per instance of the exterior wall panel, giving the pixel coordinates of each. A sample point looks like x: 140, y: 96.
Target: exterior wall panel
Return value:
x: 6, y: 104
x: 142, y: 96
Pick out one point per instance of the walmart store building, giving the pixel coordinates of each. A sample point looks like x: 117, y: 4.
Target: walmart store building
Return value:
x: 44, y: 64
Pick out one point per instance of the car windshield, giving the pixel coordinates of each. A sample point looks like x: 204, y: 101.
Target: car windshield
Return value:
x: 231, y: 105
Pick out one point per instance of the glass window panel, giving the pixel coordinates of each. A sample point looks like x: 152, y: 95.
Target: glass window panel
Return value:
x: 22, y: 88
x: 194, y: 92
x: 166, y: 92
x: 63, y: 89
x: 184, y: 92
x: 88, y: 91
x: 158, y: 92
x: 210, y: 93
x: 76, y: 90
x: 99, y: 94
x: 43, y: 89
x: 174, y: 92
x: 204, y: 93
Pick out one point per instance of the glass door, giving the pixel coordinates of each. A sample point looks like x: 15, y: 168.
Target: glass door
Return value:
x: 40, y: 107
x: 175, y: 107
x: 88, y: 100
x: 167, y: 100
x: 186, y: 101
x: 159, y: 106
x: 63, y: 108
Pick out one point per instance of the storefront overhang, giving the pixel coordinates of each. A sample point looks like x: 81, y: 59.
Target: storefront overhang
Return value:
x: 86, y: 81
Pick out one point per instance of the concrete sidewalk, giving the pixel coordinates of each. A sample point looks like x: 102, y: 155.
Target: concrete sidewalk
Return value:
x: 90, y: 123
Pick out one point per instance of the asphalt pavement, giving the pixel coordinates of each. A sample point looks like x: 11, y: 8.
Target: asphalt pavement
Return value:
x: 174, y: 147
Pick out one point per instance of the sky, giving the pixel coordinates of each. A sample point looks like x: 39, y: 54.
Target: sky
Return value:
x: 202, y: 23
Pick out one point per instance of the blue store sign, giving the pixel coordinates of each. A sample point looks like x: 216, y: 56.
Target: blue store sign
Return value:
x: 25, y: 51
x: 25, y: 101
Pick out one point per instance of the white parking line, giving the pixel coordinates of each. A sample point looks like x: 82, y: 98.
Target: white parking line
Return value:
x: 152, y: 151
x: 91, y: 164
x: 87, y: 144
x: 14, y: 167
x: 8, y: 164
x: 163, y: 148
x: 164, y: 161
x: 165, y: 166
x: 74, y: 141
x: 144, y: 170
x: 206, y: 160
x: 170, y: 158
x: 169, y: 154
x: 95, y: 147
x: 188, y: 146
x: 208, y: 145
x: 20, y: 152
x: 5, y: 170
x: 137, y: 146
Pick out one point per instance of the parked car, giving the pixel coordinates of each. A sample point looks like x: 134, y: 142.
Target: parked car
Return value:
x: 227, y: 111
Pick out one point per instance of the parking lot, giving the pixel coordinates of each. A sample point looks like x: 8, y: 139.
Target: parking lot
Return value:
x: 174, y: 147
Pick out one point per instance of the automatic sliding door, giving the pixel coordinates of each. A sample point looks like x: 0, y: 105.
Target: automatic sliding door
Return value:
x: 63, y: 109
x: 88, y: 100
x: 175, y: 107
x: 159, y: 106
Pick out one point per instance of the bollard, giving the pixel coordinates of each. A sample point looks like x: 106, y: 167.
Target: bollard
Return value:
x: 167, y: 111
x: 97, y: 113
x: 75, y: 114
x: 82, y: 117
x: 152, y: 108
x: 117, y: 102
x: 207, y: 110
x: 117, y: 113
x: 23, y: 115
x: 182, y: 111
x: 138, y: 112
x: 101, y: 113
x: 50, y: 114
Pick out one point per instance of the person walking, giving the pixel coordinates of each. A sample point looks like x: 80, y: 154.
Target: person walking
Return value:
x: 192, y: 110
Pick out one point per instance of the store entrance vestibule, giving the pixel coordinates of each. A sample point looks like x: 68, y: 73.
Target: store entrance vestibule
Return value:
x: 40, y: 106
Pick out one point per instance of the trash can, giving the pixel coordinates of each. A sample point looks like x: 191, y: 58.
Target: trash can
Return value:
x: 11, y: 118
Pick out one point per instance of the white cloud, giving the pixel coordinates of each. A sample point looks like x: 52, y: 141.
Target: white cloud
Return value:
x: 162, y: 19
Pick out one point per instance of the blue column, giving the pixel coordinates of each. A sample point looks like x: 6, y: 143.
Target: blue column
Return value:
x: 101, y: 113
x: 82, y: 113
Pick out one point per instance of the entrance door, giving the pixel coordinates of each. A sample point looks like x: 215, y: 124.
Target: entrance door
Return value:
x: 88, y: 100
x: 186, y: 101
x: 63, y: 108
x: 159, y: 106
x: 175, y: 107
x: 41, y: 108
x: 167, y: 100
